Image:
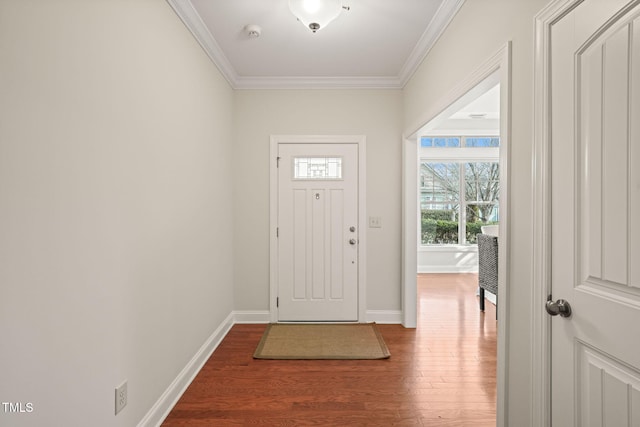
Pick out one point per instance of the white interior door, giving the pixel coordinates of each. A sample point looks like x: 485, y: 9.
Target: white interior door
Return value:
x: 595, y: 200
x: 317, y: 232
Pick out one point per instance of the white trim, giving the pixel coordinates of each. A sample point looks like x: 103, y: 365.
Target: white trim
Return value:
x: 478, y: 132
x: 489, y: 296
x: 504, y: 252
x: 163, y: 406
x: 192, y: 20
x: 541, y: 202
x: 500, y: 64
x: 361, y: 141
x: 296, y: 82
x: 440, y: 21
x: 476, y: 78
x: 389, y: 317
x: 427, y: 269
x: 410, y: 221
x: 448, y: 248
x: 251, y: 317
x: 273, y: 227
x: 459, y: 154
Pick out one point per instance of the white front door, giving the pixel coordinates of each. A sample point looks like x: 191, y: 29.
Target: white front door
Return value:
x: 318, y: 229
x: 595, y: 201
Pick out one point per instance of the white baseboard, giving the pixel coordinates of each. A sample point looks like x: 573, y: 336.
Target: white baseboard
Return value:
x: 262, y: 316
x: 447, y: 269
x: 385, y: 316
x: 490, y: 297
x: 378, y: 316
x: 170, y: 397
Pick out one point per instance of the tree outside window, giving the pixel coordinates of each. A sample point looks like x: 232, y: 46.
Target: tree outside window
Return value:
x: 457, y: 199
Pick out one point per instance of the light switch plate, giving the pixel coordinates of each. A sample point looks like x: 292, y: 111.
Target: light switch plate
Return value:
x: 375, y: 222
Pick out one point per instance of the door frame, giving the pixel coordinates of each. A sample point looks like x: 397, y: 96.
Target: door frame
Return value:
x: 499, y: 62
x: 275, y: 140
x: 541, y: 322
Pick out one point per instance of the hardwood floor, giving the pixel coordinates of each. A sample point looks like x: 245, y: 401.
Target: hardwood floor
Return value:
x: 441, y: 374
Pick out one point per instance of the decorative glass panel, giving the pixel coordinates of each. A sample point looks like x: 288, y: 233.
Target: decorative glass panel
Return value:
x: 317, y: 168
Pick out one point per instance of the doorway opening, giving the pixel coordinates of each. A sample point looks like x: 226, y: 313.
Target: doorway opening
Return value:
x: 459, y: 181
x: 461, y: 255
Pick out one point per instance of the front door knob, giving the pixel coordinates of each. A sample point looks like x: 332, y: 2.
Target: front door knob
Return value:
x: 352, y: 241
x: 561, y: 307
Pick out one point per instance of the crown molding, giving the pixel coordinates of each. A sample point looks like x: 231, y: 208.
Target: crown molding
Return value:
x: 440, y: 21
x: 295, y: 82
x: 192, y: 20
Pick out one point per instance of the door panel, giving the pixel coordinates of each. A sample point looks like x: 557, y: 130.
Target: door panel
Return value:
x: 337, y: 244
x: 595, y: 241
x: 608, y: 178
x: 317, y: 249
x: 608, y: 390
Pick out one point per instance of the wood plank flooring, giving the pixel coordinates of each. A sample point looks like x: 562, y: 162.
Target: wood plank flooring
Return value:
x: 441, y: 374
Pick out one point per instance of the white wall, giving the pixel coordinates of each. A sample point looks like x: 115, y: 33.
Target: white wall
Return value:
x: 479, y: 30
x: 446, y: 259
x: 115, y: 208
x: 117, y: 147
x: 261, y: 113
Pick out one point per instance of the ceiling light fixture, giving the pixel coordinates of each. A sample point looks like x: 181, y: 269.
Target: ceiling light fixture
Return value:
x: 316, y: 14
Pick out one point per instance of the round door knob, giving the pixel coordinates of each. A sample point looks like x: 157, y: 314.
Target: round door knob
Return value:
x: 561, y: 307
x: 352, y: 241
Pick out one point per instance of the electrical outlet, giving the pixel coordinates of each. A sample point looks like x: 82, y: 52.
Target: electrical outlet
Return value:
x: 121, y: 396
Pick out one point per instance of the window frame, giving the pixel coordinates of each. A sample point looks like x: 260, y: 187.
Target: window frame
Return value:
x: 460, y: 155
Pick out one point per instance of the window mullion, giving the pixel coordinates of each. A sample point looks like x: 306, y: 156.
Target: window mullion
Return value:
x: 462, y: 223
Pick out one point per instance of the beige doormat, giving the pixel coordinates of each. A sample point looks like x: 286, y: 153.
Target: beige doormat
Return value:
x: 325, y: 341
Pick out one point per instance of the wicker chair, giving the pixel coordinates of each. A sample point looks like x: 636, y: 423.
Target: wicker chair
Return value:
x: 487, y: 266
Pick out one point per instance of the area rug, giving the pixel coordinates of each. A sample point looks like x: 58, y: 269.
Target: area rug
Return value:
x: 324, y: 341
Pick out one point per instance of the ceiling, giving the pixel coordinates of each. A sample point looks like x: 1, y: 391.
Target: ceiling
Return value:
x: 375, y: 44
x: 477, y: 112
x: 472, y: 115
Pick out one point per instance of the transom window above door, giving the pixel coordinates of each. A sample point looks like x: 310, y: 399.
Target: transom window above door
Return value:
x: 459, y: 141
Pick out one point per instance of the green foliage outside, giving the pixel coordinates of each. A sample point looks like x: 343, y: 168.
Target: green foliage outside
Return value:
x: 440, y: 214
x: 438, y: 228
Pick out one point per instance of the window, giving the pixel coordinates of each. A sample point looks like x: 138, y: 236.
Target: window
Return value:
x: 439, y: 202
x: 460, y: 141
x: 482, y: 190
x: 440, y: 142
x: 317, y: 168
x: 482, y: 142
x: 459, y: 191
